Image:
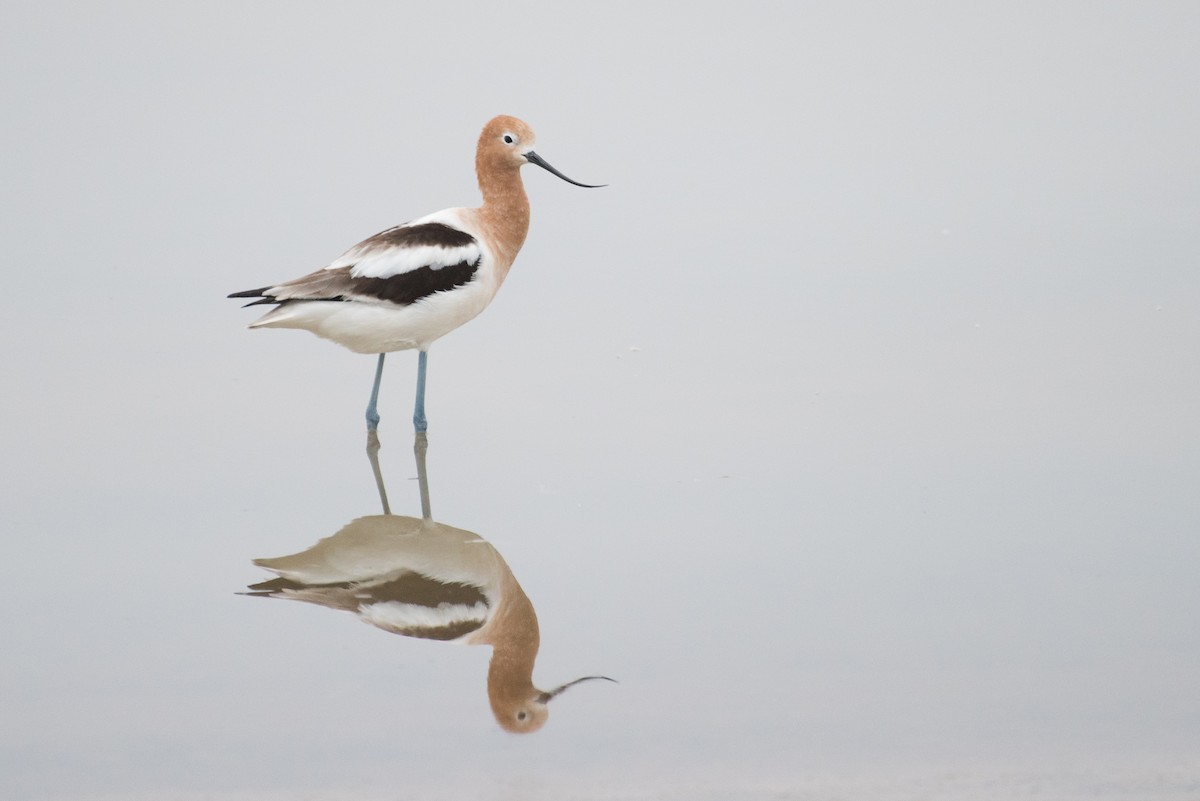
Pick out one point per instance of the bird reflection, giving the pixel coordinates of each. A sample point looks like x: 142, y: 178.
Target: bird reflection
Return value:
x: 420, y: 578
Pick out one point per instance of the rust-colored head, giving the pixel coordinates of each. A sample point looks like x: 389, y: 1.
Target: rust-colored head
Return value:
x: 520, y: 715
x: 521, y: 708
x: 505, y: 145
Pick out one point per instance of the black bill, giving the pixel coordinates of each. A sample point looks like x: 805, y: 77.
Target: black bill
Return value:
x: 534, y: 158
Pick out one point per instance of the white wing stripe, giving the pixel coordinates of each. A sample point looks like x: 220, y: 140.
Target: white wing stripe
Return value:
x: 398, y: 615
x: 389, y: 261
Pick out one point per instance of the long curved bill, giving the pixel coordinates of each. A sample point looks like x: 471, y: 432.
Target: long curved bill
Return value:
x: 534, y: 158
x: 547, y: 696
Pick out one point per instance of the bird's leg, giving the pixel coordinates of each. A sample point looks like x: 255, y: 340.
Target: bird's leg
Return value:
x: 419, y: 422
x: 372, y: 414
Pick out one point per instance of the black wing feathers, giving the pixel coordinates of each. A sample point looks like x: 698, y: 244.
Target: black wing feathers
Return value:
x: 403, y: 288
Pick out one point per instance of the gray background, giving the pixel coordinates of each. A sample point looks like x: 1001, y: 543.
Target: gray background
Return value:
x: 853, y: 427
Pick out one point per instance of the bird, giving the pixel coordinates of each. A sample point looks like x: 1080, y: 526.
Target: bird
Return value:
x: 405, y: 287
x: 419, y: 578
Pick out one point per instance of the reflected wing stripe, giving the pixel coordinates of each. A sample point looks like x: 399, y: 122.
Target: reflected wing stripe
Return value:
x: 443, y: 622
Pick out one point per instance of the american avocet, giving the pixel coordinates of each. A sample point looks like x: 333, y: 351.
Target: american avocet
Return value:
x: 419, y: 578
x: 407, y: 286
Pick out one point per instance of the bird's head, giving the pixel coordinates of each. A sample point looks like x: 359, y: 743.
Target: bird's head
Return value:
x: 527, y: 714
x: 507, y: 144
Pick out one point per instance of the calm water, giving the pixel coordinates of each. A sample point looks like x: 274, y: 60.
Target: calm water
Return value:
x: 773, y: 636
x: 851, y: 429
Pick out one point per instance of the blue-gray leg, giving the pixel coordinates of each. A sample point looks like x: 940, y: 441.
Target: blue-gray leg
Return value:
x: 372, y: 414
x: 419, y: 422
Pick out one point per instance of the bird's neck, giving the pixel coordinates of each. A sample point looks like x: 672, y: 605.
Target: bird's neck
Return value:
x: 505, y: 212
x: 510, y: 674
x: 514, y: 642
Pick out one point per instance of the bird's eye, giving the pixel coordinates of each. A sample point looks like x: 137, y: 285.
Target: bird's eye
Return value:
x: 522, y: 714
x: 508, y: 139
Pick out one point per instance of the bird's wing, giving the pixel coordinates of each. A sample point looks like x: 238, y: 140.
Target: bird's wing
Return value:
x: 445, y: 622
x: 404, y: 602
x: 435, y: 242
x: 416, y: 605
x: 400, y: 265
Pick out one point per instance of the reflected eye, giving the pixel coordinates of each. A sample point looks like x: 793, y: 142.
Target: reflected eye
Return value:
x: 509, y: 139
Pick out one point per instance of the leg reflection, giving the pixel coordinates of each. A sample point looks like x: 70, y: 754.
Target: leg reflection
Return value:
x: 420, y: 446
x: 373, y: 457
